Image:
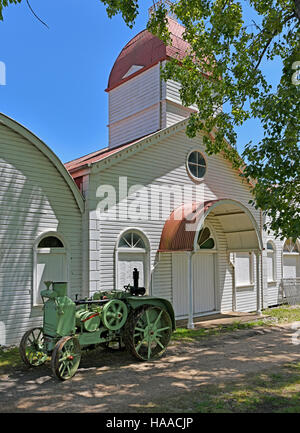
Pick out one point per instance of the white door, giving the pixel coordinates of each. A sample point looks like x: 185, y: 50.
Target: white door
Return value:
x: 291, y: 266
x: 204, y: 283
x: 126, y: 264
x: 180, y: 284
x: 51, y: 266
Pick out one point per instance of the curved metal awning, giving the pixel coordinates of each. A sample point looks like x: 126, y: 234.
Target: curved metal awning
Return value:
x: 181, y: 229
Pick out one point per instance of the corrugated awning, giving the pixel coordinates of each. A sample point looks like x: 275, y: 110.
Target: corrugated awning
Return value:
x: 181, y: 229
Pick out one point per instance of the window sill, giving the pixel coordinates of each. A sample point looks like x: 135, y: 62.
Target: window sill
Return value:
x: 245, y: 286
x: 37, y: 307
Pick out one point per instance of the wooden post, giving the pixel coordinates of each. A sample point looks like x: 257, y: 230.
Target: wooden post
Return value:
x: 258, y: 301
x: 191, y: 294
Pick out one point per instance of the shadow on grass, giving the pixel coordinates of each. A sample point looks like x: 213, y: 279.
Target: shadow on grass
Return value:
x: 276, y: 392
x: 185, y: 334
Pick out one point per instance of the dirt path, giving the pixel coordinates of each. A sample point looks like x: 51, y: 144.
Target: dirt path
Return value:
x: 111, y: 383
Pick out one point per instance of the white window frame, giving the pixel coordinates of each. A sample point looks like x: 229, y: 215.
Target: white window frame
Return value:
x: 273, y: 253
x: 251, y: 269
x: 198, y: 179
x: 37, y: 251
x: 145, y: 251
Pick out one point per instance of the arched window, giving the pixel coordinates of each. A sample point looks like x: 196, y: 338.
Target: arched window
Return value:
x: 271, y: 262
x: 290, y: 246
x: 291, y: 259
x: 132, y: 252
x: 50, y: 263
x: 50, y: 242
x: 131, y: 240
x: 205, y: 239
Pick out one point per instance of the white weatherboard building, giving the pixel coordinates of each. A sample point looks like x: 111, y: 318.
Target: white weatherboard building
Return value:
x: 152, y: 200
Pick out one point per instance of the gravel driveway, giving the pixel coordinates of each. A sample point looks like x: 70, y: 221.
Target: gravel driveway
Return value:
x: 115, y: 382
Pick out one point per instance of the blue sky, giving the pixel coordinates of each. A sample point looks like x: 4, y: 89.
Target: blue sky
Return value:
x: 56, y: 77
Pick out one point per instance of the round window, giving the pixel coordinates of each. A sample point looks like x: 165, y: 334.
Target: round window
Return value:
x: 196, y: 164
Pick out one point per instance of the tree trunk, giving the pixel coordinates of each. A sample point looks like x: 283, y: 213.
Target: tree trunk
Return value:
x: 297, y: 8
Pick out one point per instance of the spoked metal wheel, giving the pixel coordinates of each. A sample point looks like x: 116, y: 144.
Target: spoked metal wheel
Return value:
x: 32, y: 348
x: 65, y: 358
x: 148, y: 332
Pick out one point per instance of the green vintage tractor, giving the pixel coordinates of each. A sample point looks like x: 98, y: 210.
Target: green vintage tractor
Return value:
x: 113, y: 319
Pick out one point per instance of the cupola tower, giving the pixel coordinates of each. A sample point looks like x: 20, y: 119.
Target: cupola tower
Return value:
x: 140, y: 102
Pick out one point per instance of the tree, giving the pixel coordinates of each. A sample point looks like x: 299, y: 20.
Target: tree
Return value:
x: 223, y: 69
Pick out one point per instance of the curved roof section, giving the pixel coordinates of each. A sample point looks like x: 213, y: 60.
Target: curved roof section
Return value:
x: 146, y: 50
x: 42, y: 147
x: 180, y: 232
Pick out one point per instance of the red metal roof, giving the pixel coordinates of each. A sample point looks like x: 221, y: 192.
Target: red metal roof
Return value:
x: 146, y: 50
x: 176, y: 234
x: 76, y: 164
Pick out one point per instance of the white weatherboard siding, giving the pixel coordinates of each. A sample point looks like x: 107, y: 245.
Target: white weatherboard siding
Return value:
x: 162, y: 282
x: 204, y: 283
x: 172, y: 92
x: 163, y: 164
x: 246, y: 290
x: 134, y: 109
x: 180, y: 284
x: 273, y: 292
x: 135, y: 126
x: 142, y: 105
x: 291, y: 268
x: 34, y: 198
x: 175, y: 113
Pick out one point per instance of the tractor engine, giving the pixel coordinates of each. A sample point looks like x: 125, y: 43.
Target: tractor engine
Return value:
x: 59, y: 313
x: 88, y: 320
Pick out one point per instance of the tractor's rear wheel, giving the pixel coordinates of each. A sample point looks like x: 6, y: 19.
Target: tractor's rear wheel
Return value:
x: 32, y: 348
x: 66, y: 357
x: 147, y: 332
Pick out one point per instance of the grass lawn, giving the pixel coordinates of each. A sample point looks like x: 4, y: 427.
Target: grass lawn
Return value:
x: 284, y: 313
x: 276, y: 315
x: 9, y: 359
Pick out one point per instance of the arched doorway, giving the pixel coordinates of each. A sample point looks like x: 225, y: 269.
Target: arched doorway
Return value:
x: 132, y: 251
x: 50, y: 263
x: 204, y: 272
x: 206, y: 287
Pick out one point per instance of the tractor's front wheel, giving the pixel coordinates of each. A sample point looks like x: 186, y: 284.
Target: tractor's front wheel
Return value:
x: 66, y: 357
x: 32, y: 348
x: 147, y: 332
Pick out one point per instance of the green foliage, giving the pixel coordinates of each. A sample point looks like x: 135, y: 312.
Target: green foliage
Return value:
x: 284, y: 313
x: 4, y: 3
x: 128, y: 9
x: 9, y: 358
x: 227, y: 73
x: 184, y: 334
